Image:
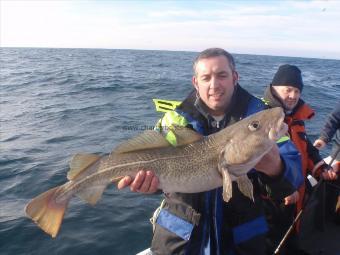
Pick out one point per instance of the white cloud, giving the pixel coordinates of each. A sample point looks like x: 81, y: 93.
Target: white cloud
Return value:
x: 174, y: 14
x: 269, y: 27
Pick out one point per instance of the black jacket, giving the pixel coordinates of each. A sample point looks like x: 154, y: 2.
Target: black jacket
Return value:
x: 332, y: 126
x: 194, y: 223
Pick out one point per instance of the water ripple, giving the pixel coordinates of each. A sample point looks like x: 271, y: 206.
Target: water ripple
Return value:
x: 58, y: 102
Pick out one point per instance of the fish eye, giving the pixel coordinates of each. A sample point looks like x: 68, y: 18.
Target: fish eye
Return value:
x: 254, y: 125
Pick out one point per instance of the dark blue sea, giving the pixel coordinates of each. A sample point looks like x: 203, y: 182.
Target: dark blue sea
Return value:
x: 58, y: 102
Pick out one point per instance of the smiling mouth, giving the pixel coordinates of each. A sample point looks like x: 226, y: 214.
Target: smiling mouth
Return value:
x: 216, y: 95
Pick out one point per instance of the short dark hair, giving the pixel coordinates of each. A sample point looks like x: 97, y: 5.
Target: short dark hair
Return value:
x: 214, y: 52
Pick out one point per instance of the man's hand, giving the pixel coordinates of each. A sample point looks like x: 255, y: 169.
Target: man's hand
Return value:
x: 271, y: 163
x: 292, y: 199
x: 319, y: 144
x: 144, y: 182
x: 329, y: 175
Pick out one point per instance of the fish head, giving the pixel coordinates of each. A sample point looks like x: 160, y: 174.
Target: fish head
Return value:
x: 251, y: 138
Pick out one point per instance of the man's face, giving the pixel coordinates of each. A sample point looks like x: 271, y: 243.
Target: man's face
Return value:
x: 215, y: 83
x: 288, y: 95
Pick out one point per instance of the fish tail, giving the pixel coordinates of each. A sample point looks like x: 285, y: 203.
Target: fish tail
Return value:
x: 46, y: 212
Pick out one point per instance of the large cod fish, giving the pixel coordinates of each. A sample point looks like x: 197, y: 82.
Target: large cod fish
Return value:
x: 196, y: 164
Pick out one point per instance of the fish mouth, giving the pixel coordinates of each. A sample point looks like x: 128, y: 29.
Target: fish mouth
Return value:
x: 281, y: 129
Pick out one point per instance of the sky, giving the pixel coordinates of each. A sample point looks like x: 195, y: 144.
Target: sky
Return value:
x: 298, y: 28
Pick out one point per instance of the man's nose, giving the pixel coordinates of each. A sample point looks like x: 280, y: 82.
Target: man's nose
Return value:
x: 214, y: 82
x: 293, y: 95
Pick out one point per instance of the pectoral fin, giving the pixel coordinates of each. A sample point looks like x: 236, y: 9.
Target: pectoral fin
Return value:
x: 245, y: 186
x: 227, y: 186
x: 226, y: 180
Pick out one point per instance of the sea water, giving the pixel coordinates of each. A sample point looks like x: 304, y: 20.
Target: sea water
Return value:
x: 58, y: 102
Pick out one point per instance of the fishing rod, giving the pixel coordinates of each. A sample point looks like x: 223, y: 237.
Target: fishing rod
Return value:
x: 316, y: 185
x: 296, y: 219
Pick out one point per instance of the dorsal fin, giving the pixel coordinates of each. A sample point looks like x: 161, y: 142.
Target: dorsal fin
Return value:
x: 185, y: 135
x: 149, y: 139
x: 80, y: 162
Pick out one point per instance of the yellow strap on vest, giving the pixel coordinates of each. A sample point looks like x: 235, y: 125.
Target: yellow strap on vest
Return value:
x: 283, y: 139
x: 170, y: 119
x: 165, y: 105
x: 266, y: 102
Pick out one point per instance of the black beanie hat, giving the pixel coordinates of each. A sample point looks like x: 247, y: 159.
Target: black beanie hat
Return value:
x: 288, y: 75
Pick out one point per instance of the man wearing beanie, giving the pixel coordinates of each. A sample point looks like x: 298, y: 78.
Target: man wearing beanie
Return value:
x: 285, y: 91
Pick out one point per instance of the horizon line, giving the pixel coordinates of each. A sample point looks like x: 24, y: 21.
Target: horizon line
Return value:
x: 193, y: 51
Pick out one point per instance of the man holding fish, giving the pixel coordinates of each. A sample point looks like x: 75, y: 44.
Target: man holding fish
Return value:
x: 226, y: 220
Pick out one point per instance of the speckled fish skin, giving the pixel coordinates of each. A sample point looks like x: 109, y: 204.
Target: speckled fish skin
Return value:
x: 194, y: 167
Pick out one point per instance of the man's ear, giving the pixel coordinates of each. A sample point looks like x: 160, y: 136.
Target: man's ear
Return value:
x: 273, y: 89
x: 235, y: 77
x: 194, y: 82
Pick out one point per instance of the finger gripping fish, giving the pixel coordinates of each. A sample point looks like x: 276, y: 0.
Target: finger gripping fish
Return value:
x: 196, y: 164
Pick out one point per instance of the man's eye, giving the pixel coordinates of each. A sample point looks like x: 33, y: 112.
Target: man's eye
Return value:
x: 223, y: 75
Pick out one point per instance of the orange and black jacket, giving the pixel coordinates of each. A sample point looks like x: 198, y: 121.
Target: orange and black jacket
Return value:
x: 311, y: 159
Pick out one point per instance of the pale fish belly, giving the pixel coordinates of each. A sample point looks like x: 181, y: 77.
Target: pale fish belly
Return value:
x: 191, y: 184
